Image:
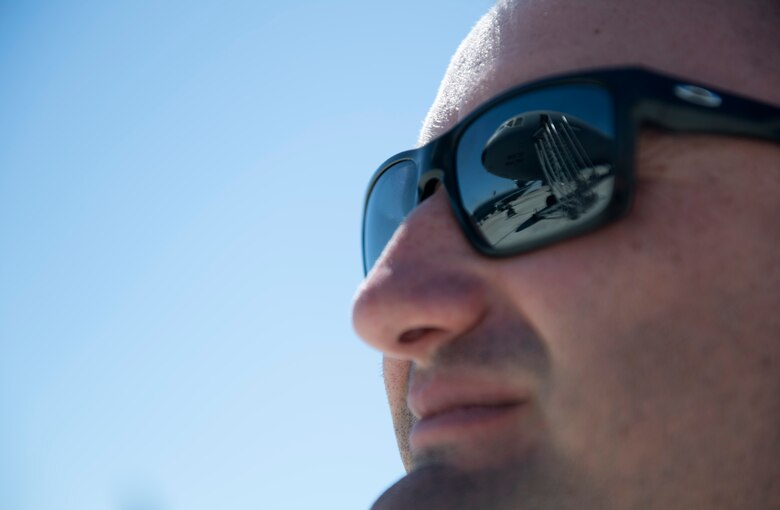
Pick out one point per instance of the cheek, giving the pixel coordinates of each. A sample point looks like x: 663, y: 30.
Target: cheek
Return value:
x: 696, y: 239
x: 657, y: 290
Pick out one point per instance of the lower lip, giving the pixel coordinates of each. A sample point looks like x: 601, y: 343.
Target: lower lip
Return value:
x: 461, y: 424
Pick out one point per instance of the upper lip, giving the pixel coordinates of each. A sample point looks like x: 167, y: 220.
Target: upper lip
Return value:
x: 448, y: 392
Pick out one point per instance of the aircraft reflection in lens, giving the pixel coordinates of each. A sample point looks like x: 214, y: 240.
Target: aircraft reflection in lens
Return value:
x: 557, y: 178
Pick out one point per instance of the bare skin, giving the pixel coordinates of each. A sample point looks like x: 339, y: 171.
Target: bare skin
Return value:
x: 641, y: 362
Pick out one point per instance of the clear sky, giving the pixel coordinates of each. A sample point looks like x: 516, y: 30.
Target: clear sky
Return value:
x: 180, y: 193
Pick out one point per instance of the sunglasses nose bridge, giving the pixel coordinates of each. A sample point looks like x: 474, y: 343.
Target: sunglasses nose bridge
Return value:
x: 428, y: 182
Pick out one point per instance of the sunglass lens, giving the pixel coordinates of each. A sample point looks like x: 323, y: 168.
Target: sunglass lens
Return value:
x: 538, y: 168
x: 392, y: 197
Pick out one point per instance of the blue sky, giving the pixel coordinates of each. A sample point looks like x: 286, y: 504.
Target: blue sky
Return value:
x: 180, y: 195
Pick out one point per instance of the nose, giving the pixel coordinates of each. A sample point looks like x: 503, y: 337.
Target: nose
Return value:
x: 425, y: 290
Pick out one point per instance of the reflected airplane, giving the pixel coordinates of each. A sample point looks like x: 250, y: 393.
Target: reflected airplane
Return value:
x: 547, y: 149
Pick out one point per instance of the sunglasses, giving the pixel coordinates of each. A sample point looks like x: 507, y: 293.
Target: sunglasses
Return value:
x: 550, y: 160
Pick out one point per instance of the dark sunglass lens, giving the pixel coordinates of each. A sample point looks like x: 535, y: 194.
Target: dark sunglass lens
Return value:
x: 391, y: 198
x: 540, y: 167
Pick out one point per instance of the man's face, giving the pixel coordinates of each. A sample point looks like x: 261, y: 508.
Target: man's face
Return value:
x: 635, y: 367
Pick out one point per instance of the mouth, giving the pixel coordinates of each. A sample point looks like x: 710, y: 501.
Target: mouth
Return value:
x: 468, y: 423
x: 464, y: 423
x: 461, y: 411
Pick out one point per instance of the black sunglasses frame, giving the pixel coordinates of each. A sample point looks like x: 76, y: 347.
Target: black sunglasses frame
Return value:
x: 639, y: 96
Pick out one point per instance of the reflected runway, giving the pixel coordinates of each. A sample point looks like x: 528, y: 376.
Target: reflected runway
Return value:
x: 530, y: 213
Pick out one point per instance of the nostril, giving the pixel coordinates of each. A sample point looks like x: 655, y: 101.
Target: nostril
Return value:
x: 412, y: 335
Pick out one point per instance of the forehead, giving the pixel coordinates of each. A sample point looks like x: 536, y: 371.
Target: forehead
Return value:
x: 720, y: 42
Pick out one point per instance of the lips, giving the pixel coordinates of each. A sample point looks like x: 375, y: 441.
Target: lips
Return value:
x: 462, y: 409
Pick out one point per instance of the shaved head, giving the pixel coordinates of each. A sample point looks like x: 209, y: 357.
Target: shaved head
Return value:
x: 731, y: 44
